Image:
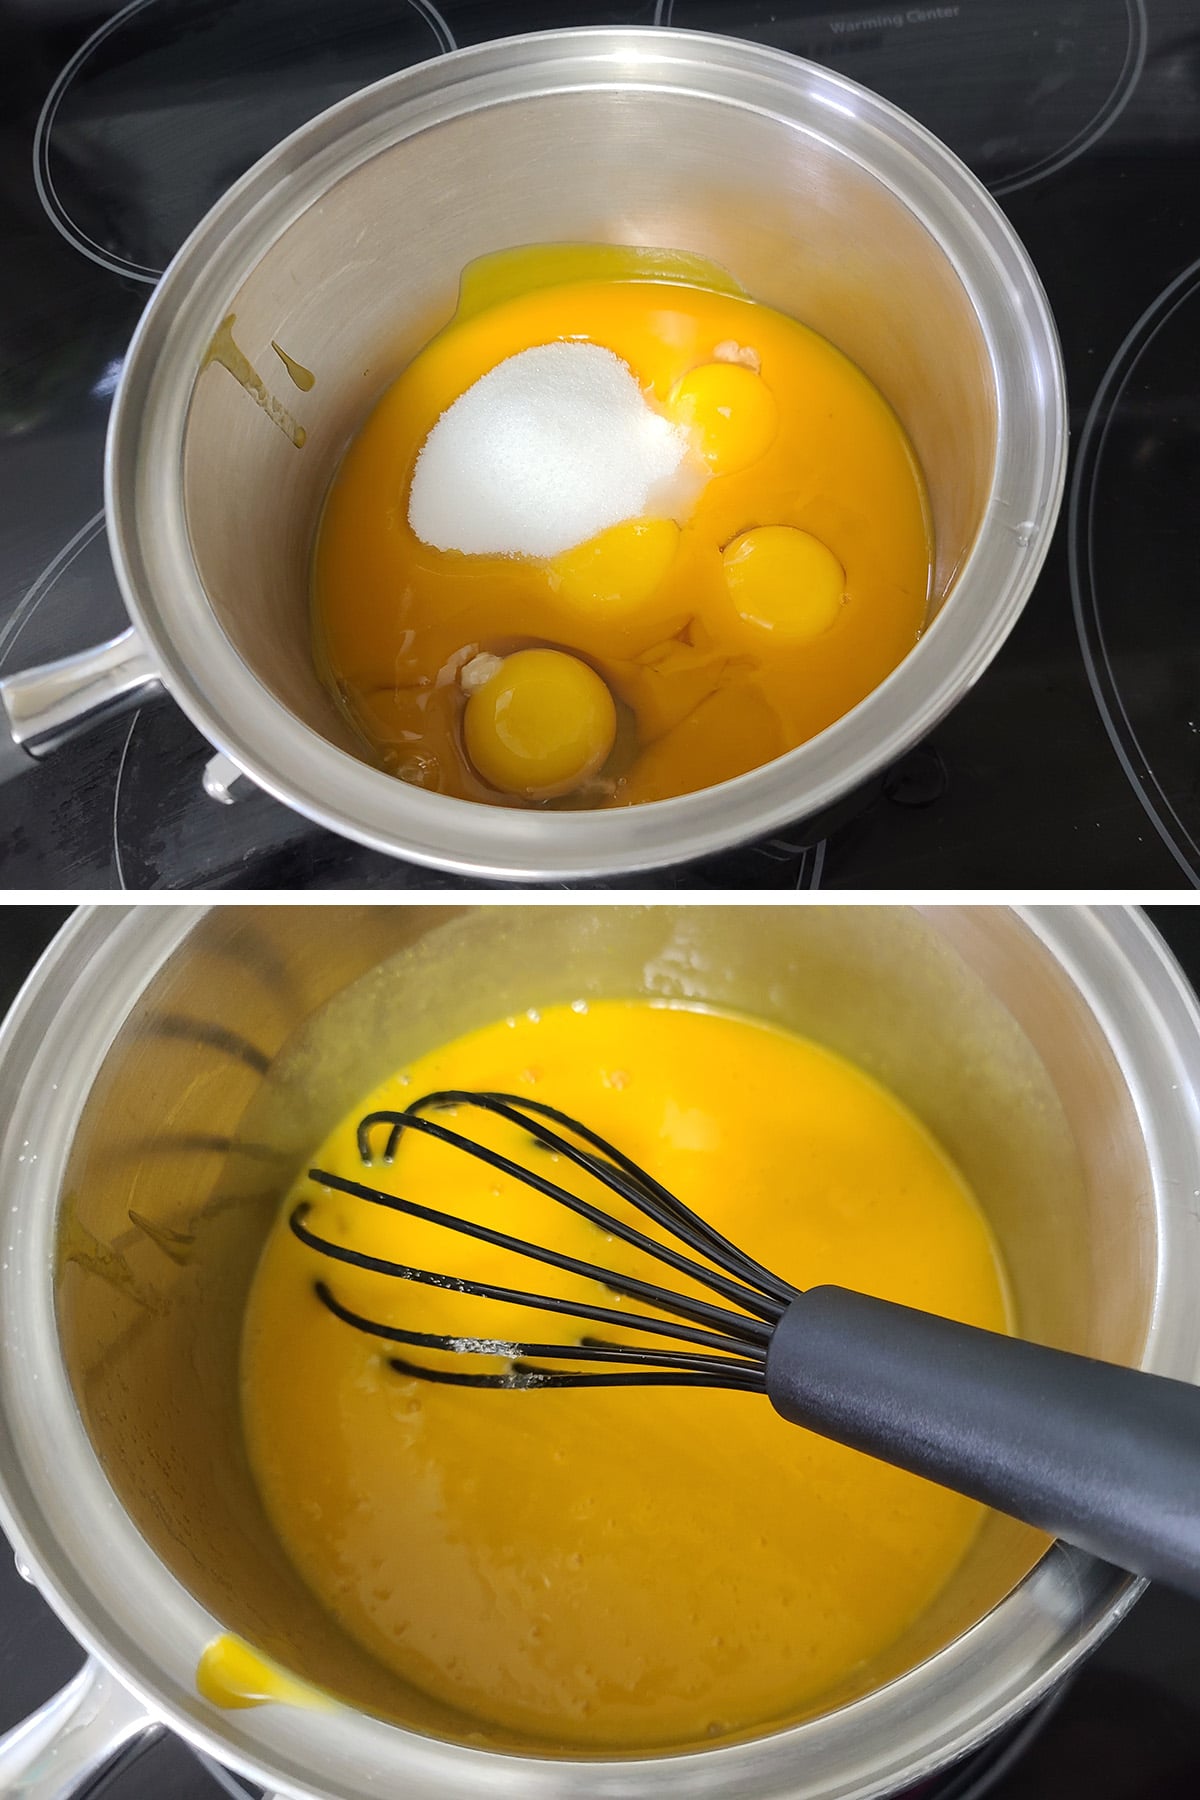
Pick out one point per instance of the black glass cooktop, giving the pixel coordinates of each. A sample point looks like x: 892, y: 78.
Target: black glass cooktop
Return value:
x: 1126, y: 1728
x: 1074, y: 762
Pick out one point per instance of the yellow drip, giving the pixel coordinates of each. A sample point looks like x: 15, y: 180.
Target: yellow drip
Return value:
x: 232, y: 1675
x: 303, y: 378
x: 225, y: 352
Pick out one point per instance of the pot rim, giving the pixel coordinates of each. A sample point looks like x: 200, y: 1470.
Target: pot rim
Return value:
x: 161, y: 586
x: 109, y: 1588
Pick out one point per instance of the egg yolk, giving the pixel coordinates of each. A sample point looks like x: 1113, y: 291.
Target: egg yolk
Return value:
x: 798, y: 504
x: 540, y: 725
x: 730, y: 413
x: 785, y: 581
x: 619, y: 570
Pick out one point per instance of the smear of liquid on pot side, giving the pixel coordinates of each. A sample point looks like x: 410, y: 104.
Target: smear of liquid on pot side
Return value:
x: 612, y: 1569
x: 234, y: 1676
x: 751, y: 607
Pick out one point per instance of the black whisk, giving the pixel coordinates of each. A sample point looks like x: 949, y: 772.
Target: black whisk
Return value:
x: 1104, y: 1457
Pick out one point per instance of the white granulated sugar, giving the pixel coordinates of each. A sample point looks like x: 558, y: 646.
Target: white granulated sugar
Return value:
x: 548, y: 448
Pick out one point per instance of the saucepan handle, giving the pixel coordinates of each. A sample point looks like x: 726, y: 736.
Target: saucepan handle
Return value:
x: 59, y: 1750
x: 45, y: 707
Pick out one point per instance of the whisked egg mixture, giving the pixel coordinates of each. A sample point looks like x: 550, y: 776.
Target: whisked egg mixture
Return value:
x: 617, y: 533
x: 622, y: 1569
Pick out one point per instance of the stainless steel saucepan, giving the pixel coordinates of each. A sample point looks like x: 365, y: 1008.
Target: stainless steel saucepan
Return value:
x: 344, y: 247
x: 164, y: 1073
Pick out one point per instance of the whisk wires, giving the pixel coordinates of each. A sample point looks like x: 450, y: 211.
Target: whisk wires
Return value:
x: 713, y: 1345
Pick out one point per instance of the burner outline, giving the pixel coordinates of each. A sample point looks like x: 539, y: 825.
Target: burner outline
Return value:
x: 36, y: 593
x: 1105, y: 116
x: 43, y: 176
x: 812, y: 866
x: 1088, y: 625
x: 28, y: 605
x: 118, y: 863
x: 1101, y: 121
x: 809, y: 859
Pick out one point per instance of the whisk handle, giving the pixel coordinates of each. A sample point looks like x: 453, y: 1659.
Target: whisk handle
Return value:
x: 1104, y: 1457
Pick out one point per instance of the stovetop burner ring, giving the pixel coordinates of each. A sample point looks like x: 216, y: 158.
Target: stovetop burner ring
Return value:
x: 33, y: 596
x: 56, y: 208
x: 1102, y: 120
x: 1123, y: 734
x: 43, y: 175
x: 855, y: 26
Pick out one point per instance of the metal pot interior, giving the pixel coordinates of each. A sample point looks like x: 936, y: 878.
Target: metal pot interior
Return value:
x: 266, y: 1024
x: 355, y: 284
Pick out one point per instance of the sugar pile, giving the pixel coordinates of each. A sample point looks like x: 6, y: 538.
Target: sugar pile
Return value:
x: 548, y: 448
